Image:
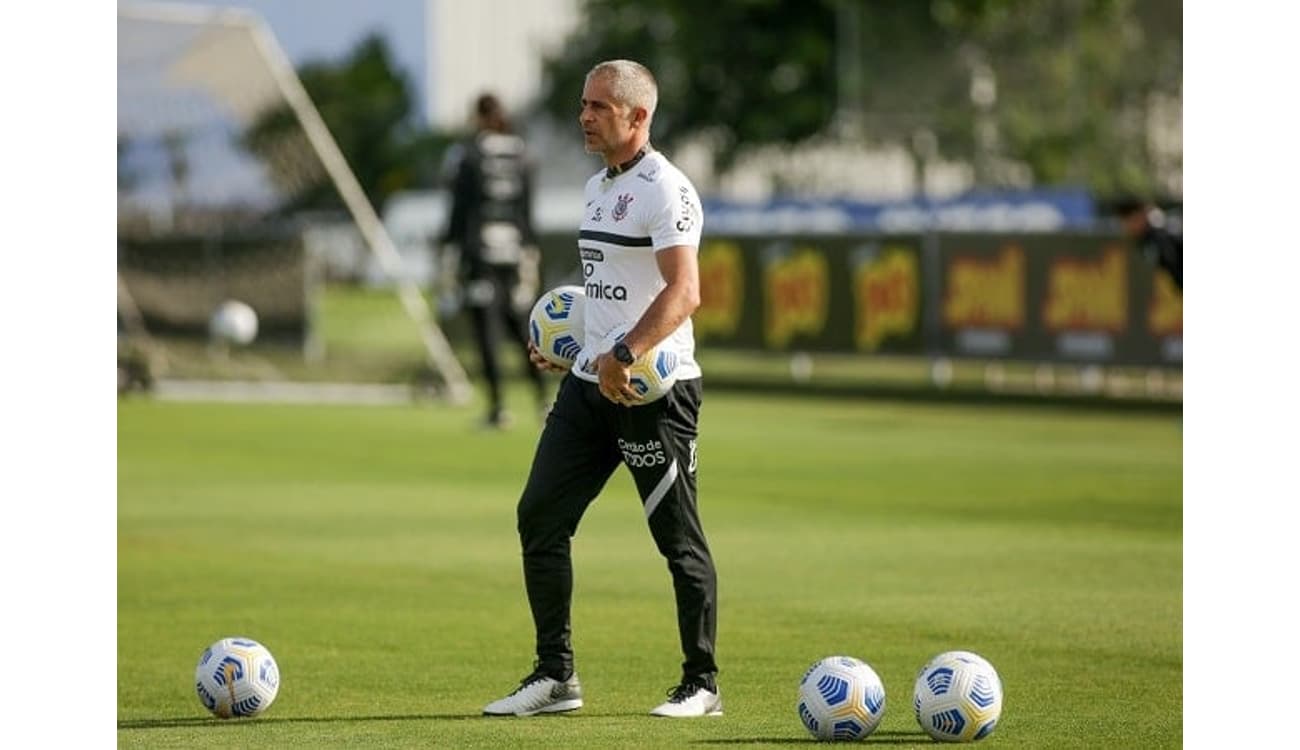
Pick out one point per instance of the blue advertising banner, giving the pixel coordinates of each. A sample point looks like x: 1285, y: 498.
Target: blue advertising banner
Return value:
x: 1018, y: 211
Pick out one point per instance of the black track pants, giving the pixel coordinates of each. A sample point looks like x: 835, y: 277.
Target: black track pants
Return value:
x: 586, y: 437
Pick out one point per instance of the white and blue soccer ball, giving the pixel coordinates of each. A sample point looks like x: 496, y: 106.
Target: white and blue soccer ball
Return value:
x: 236, y: 677
x: 654, y: 372
x: 555, y: 325
x: 958, y: 697
x: 841, y: 699
x: 233, y: 322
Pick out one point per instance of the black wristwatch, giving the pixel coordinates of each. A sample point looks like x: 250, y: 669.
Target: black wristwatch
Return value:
x: 623, y: 354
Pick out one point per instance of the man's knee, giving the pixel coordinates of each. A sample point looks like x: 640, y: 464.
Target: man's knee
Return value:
x: 528, y: 514
x: 539, y: 524
x: 686, y: 558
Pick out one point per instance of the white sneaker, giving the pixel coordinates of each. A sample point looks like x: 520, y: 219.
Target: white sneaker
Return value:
x: 538, y: 694
x: 689, y: 700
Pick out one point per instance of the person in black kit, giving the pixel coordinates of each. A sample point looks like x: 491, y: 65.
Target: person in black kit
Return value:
x: 491, y: 239
x: 1145, y: 225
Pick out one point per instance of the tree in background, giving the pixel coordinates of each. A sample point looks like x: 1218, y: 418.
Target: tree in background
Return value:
x: 1084, y: 88
x: 366, y: 103
x: 1025, y: 91
x: 743, y: 73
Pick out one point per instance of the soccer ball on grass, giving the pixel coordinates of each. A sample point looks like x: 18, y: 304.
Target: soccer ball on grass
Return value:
x: 555, y: 325
x: 233, y: 322
x: 236, y: 677
x: 841, y: 698
x: 958, y: 697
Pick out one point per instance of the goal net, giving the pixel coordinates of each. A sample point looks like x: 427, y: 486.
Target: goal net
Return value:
x: 220, y: 151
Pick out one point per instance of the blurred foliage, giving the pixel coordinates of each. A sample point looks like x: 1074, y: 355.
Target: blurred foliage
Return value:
x: 745, y: 72
x: 367, y: 105
x: 1027, y: 92
x: 1063, y: 91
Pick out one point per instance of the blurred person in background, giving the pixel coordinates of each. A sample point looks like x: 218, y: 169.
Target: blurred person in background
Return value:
x: 638, y: 240
x: 1145, y: 225
x: 489, y: 261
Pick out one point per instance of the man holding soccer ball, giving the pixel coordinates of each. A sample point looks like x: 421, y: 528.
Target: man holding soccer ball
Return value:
x: 638, y: 243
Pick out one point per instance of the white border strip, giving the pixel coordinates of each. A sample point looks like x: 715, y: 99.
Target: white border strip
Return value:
x: 661, y: 489
x: 284, y: 393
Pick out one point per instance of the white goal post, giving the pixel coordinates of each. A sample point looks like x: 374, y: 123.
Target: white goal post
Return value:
x: 232, y: 57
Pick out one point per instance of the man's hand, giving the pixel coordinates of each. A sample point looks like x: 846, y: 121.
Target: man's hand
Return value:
x: 616, y: 380
x: 542, y: 363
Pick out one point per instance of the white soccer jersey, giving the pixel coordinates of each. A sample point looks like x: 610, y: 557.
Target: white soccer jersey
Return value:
x: 650, y: 207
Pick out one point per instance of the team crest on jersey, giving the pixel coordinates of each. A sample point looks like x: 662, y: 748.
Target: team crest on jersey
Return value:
x: 620, y: 208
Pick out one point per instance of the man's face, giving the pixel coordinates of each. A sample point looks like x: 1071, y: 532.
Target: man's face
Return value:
x: 606, y: 125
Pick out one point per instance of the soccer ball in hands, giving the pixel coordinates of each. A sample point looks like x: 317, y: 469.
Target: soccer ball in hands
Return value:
x: 555, y: 326
x: 233, y: 322
x: 653, y: 373
x: 958, y: 697
x: 236, y: 677
x: 841, y: 698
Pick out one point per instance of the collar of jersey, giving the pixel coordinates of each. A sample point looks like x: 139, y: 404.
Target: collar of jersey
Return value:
x: 617, y: 170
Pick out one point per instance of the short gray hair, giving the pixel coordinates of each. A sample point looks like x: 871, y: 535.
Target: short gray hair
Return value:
x: 631, y: 82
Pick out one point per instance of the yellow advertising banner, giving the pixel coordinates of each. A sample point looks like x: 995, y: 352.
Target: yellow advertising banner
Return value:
x: 722, y: 288
x: 797, y: 291
x: 1165, y: 314
x: 887, y: 297
x: 1087, y: 294
x: 986, y: 292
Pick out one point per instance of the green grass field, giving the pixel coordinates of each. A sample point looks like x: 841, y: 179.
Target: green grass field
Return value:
x: 373, y: 551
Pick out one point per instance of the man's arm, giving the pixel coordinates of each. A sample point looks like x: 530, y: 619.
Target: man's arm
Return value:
x: 680, y: 268
x: 459, y: 183
x: 675, y: 303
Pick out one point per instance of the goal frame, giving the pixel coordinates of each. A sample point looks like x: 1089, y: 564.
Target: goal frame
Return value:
x: 440, y: 354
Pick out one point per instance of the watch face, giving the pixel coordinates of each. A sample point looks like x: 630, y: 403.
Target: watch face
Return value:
x: 623, y: 354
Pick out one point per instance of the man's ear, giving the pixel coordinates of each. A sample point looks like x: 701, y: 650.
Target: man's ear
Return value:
x: 639, y: 116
